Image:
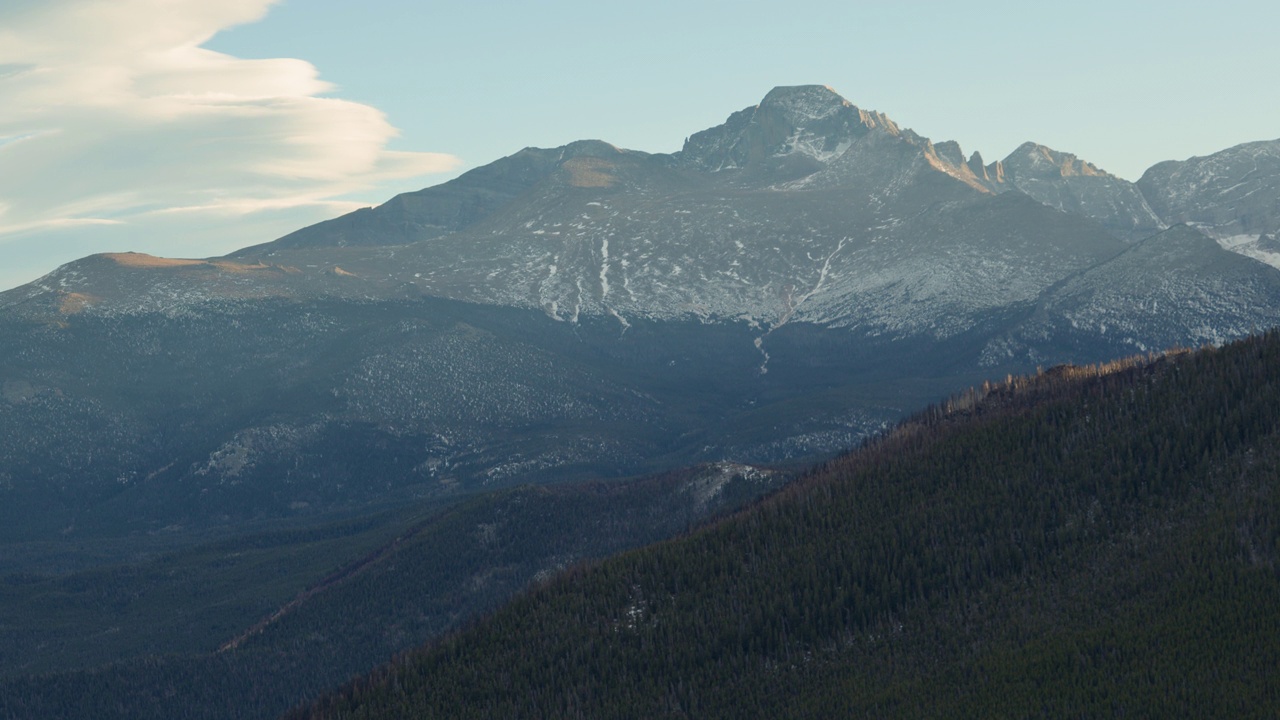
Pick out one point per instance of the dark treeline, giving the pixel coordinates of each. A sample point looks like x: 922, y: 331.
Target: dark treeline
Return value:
x: 1086, y: 542
x: 419, y: 574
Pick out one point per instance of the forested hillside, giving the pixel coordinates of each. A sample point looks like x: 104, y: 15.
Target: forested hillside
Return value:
x: 1088, y: 542
x: 247, y: 627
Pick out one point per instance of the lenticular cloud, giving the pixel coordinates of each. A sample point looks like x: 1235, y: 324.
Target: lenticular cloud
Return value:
x: 111, y: 112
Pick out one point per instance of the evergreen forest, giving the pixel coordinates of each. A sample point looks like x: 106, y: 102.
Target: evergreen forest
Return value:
x: 1096, y: 541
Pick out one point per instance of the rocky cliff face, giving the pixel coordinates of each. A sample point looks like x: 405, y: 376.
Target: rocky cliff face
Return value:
x: 792, y: 130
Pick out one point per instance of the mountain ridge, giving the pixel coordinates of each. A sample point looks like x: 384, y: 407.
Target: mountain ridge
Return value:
x: 564, y: 283
x: 770, y: 145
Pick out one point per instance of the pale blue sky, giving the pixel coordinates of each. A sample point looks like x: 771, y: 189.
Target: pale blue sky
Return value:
x: 1122, y: 84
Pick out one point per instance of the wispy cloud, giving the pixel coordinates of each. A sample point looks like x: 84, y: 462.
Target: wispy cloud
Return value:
x: 112, y: 112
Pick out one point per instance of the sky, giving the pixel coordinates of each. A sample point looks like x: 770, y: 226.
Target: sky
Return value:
x: 188, y: 128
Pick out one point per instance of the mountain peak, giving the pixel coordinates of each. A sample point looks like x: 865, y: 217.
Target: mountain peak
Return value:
x: 799, y: 127
x: 1034, y: 161
x: 590, y: 148
x: 805, y: 102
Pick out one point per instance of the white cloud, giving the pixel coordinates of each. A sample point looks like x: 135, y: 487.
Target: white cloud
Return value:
x: 111, y: 112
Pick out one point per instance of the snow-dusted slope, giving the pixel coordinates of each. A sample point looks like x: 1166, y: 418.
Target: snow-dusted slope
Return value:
x: 804, y: 208
x: 1176, y: 288
x: 1233, y: 196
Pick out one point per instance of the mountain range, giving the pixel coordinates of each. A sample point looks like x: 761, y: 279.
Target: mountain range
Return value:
x: 791, y: 283
x: 587, y: 309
